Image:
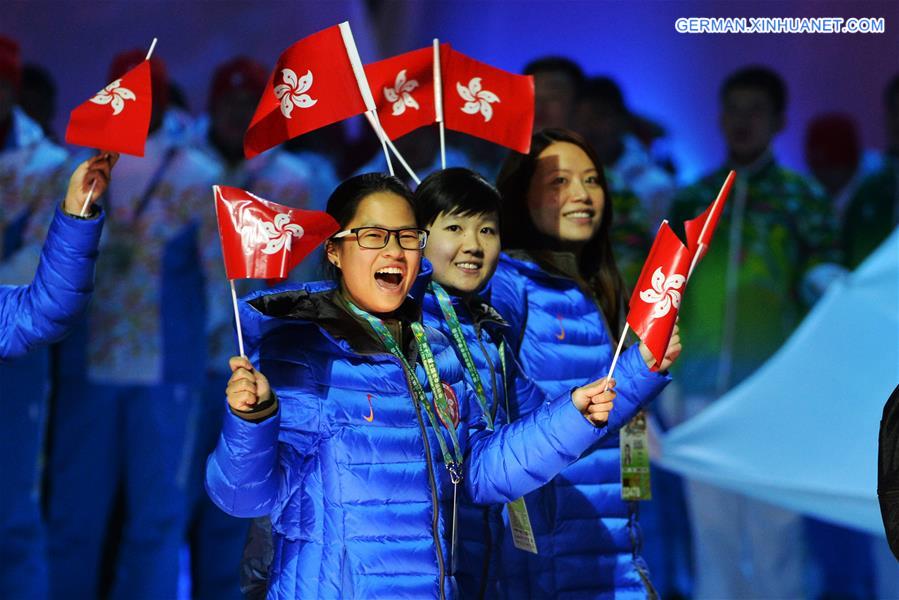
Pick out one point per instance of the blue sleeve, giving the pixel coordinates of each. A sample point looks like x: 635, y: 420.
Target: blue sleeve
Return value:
x: 242, y: 472
x: 43, y: 311
x: 519, y: 457
x: 636, y: 387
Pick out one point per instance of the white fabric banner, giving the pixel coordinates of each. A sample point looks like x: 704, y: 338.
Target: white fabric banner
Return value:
x: 802, y: 431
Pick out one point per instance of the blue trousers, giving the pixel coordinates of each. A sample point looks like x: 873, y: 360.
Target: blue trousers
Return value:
x: 216, y: 539
x: 23, y: 551
x: 119, y: 441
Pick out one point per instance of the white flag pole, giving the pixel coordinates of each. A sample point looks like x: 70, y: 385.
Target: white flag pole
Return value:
x: 152, y: 47
x: 617, y: 354
x: 438, y: 102
x: 87, y: 202
x: 362, y: 83
x: 386, y: 143
x: 237, y: 318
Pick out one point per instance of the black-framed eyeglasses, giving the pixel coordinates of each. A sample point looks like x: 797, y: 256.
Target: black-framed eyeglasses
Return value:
x: 375, y: 238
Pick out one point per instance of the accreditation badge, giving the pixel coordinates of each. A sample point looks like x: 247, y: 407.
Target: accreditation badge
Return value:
x: 634, y: 444
x: 522, y: 533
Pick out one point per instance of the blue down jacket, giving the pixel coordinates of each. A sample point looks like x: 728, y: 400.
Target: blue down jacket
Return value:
x: 349, y: 469
x: 480, y: 526
x: 43, y: 311
x: 586, y: 535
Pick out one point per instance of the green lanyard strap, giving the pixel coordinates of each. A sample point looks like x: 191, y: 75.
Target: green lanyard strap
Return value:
x: 449, y: 314
x: 452, y: 461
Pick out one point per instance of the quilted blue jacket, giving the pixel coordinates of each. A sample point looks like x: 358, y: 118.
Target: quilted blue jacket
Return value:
x: 480, y: 526
x: 586, y: 535
x: 43, y: 311
x: 350, y: 470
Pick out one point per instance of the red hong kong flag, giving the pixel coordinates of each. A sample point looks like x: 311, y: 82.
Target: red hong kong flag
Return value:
x: 403, y: 88
x: 699, y: 230
x: 657, y: 295
x: 117, y: 118
x: 313, y: 85
x: 487, y: 102
x: 265, y: 240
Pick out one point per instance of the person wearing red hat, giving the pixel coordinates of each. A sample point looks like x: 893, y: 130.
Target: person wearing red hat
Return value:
x: 142, y: 342
x: 32, y: 178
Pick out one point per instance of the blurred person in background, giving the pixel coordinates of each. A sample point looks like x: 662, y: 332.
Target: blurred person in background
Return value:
x: 32, y: 180
x: 604, y: 119
x: 32, y: 316
x: 557, y: 85
x: 131, y: 378
x: 873, y: 212
x: 834, y: 155
x: 775, y: 229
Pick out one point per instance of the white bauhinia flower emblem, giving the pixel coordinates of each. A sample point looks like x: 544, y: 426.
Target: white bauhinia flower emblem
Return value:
x: 275, y: 235
x: 293, y: 91
x: 280, y: 233
x: 114, y: 95
x: 664, y: 293
x: 477, y: 100
x: 400, y: 95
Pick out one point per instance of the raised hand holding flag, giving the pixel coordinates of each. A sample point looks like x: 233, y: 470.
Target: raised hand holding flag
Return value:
x: 263, y: 239
x: 662, y: 288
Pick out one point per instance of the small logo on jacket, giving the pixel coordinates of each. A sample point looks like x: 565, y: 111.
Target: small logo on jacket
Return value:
x: 371, y: 411
x: 452, y: 404
x: 561, y: 335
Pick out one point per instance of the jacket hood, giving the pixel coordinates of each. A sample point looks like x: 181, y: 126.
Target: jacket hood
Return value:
x: 317, y: 305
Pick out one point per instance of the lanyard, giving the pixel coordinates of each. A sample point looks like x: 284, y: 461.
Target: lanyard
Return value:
x: 452, y: 461
x: 449, y: 314
x: 502, y: 361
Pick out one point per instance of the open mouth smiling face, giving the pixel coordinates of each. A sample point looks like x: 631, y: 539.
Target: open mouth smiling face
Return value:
x: 378, y: 279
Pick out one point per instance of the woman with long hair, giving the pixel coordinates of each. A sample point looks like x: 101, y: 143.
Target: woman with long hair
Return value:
x: 559, y: 288
x: 362, y: 430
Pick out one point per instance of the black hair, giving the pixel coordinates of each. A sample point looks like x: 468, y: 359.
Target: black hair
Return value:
x: 454, y: 191
x: 761, y: 78
x: 558, y: 64
x: 345, y: 200
x: 891, y: 94
x: 597, y: 263
x: 605, y: 91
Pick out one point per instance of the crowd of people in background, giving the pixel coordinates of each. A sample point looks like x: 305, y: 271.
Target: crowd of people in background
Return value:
x: 104, y: 448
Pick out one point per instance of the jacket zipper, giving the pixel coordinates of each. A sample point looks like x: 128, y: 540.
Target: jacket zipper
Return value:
x: 435, y: 522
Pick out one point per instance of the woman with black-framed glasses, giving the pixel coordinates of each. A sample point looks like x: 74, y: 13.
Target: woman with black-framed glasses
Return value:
x: 359, y: 438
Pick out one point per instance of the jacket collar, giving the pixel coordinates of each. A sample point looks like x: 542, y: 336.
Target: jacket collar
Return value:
x: 319, y: 304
